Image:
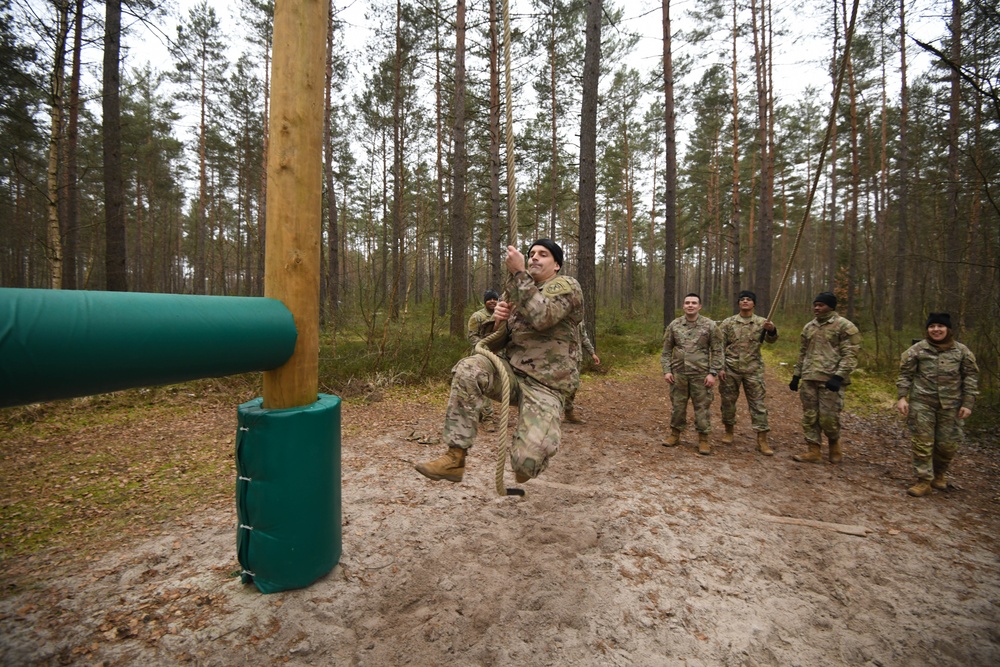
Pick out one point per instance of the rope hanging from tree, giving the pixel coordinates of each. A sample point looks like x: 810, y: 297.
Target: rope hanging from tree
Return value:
x: 838, y: 86
x: 483, y: 346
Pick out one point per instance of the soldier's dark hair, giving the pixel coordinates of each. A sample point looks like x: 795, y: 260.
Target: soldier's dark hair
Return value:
x: 694, y: 294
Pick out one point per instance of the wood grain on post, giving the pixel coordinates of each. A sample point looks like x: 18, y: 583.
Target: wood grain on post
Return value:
x: 294, y: 192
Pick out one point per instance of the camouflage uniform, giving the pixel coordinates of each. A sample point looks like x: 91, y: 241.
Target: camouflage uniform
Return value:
x: 828, y: 346
x: 691, y: 350
x: 480, y: 326
x: 589, y: 350
x: 475, y: 326
x: 542, y: 354
x: 937, y: 380
x: 744, y: 367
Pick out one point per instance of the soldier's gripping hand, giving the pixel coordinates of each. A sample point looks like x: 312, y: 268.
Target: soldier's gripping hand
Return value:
x: 794, y: 384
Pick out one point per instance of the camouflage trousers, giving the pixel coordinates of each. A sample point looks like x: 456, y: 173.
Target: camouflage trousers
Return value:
x: 753, y: 389
x: 935, y: 435
x: 539, y: 427
x: 690, y: 387
x: 570, y: 402
x: 820, y: 411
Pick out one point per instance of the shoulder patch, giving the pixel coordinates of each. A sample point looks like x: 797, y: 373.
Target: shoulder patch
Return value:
x: 558, y: 287
x: 851, y: 330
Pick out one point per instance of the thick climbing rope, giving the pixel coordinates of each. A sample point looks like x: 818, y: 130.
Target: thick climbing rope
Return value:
x: 483, y: 346
x: 838, y: 86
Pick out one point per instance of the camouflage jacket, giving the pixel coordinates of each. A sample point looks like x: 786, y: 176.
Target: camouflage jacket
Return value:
x: 827, y: 348
x: 475, y: 326
x: 588, y: 347
x: 692, y: 348
x: 542, y: 333
x: 931, y: 375
x: 741, y: 343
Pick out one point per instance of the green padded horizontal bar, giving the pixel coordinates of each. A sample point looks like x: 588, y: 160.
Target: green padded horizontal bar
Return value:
x: 65, y: 343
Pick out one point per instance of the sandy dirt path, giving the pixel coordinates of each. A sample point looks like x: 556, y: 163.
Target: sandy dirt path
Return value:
x: 623, y: 553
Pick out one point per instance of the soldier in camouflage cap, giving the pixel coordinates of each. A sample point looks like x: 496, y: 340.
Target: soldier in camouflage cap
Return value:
x: 828, y: 354
x: 479, y: 327
x: 744, y: 367
x: 691, y: 361
x: 937, y: 388
x: 541, y: 352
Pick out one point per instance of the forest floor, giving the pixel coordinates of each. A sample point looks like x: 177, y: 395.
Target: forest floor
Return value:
x: 623, y: 552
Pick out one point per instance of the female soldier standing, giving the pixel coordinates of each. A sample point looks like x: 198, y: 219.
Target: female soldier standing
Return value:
x: 937, y: 388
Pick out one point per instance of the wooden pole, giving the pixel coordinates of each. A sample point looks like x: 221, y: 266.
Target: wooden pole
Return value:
x: 294, y: 192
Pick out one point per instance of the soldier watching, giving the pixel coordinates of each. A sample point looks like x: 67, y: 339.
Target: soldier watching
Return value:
x: 937, y: 388
x: 691, y: 361
x: 828, y: 354
x: 589, y: 349
x: 744, y: 367
x: 479, y: 327
x: 542, y: 356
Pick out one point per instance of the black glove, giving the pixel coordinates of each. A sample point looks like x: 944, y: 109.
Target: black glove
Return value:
x: 794, y: 384
x: 833, y: 384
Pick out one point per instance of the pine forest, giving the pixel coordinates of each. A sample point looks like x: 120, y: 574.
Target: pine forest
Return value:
x: 663, y: 165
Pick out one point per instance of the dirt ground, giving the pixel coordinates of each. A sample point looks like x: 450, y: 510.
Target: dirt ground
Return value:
x: 623, y: 552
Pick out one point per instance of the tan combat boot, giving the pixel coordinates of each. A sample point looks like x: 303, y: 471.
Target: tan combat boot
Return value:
x: 762, y: 445
x: 920, y: 489
x: 704, y: 446
x: 727, y: 438
x: 939, y: 481
x: 450, y: 467
x: 814, y: 455
x: 572, y: 417
x: 836, y: 455
x: 674, y: 439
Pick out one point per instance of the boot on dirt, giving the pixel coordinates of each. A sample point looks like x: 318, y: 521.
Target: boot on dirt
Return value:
x: 727, y: 438
x: 674, y: 439
x: 939, y: 482
x: 450, y: 467
x: 704, y: 446
x: 528, y: 464
x: 762, y: 445
x: 814, y: 455
x: 572, y: 417
x: 920, y: 489
x: 836, y: 454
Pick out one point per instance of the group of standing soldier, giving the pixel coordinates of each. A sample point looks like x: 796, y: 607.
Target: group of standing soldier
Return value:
x: 543, y: 342
x: 937, y: 381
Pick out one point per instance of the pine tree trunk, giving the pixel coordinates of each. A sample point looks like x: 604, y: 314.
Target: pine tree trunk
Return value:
x: 735, y: 223
x: 459, y: 226
x: 899, y: 291
x: 588, y: 163
x: 670, y: 184
x: 55, y: 251
x: 493, y: 255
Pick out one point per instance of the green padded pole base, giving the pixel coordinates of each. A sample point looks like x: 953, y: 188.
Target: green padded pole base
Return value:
x: 288, y: 500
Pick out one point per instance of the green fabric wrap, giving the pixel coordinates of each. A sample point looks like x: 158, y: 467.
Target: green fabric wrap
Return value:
x: 288, y: 503
x: 65, y: 343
